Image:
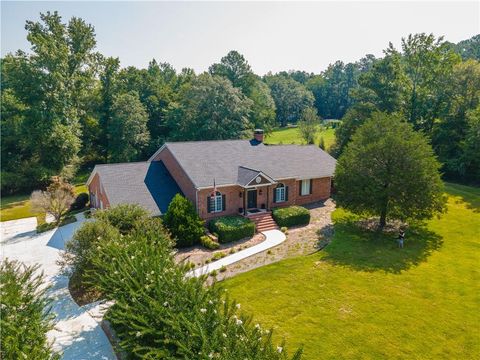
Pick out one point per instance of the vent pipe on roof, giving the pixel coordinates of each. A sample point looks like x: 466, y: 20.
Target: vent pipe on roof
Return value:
x: 258, y: 135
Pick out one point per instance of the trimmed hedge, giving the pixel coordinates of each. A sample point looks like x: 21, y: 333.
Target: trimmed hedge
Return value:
x: 49, y: 226
x: 209, y: 243
x: 291, y: 216
x: 232, y: 228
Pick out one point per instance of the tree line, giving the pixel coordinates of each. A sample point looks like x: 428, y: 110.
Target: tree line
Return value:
x: 65, y: 105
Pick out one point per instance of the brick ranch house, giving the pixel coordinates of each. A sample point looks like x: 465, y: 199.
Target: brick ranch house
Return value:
x: 226, y: 177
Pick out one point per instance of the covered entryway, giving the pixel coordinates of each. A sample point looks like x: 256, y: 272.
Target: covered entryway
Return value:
x: 251, y: 199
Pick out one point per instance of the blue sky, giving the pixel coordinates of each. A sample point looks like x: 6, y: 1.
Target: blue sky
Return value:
x: 272, y: 36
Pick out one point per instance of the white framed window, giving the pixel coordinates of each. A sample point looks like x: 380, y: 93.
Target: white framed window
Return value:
x: 305, y: 189
x: 216, y: 202
x: 280, y: 193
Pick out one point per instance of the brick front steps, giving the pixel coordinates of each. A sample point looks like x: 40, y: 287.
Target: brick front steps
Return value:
x: 263, y: 221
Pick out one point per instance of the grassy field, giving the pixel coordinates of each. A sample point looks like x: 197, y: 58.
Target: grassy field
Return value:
x: 363, y: 298
x: 292, y: 136
x: 18, y: 206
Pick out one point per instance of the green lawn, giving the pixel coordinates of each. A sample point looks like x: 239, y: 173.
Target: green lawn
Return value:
x: 292, y: 135
x: 362, y: 298
x: 18, y: 206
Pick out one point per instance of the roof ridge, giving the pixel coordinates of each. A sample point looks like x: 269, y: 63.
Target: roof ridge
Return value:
x: 200, y: 141
x: 123, y: 163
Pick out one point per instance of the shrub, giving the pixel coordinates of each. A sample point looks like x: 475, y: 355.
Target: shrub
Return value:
x: 80, y: 202
x: 291, y: 216
x: 218, y: 256
x: 49, y: 226
x: 123, y: 217
x: 160, y: 313
x: 223, y: 269
x: 284, y: 229
x: 182, y: 220
x: 232, y: 228
x: 81, y: 248
x: 207, y: 242
x: 213, y: 273
x: 45, y: 227
x: 25, y: 316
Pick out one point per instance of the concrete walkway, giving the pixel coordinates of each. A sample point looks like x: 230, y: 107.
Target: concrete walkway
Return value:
x: 272, y: 238
x: 76, y: 335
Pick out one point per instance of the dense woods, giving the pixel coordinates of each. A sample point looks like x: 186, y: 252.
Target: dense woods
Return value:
x: 65, y: 106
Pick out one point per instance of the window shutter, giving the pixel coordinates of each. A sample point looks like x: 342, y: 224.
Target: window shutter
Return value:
x: 286, y: 193
x: 300, y: 185
x: 274, y: 195
x: 209, y: 205
x: 224, y: 205
x: 311, y: 186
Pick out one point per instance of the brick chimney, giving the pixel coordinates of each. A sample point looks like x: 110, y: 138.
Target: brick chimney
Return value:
x: 258, y: 135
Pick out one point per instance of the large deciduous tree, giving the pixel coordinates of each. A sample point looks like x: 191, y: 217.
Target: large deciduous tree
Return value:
x: 235, y: 68
x: 263, y: 108
x: 210, y: 108
x: 332, y: 90
x: 308, y: 125
x: 51, y: 88
x: 127, y: 129
x: 427, y: 63
x: 290, y: 97
x: 450, y: 131
x: 389, y: 170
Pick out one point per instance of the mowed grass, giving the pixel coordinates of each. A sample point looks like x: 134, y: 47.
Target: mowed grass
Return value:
x: 292, y: 135
x: 363, y: 298
x: 18, y: 206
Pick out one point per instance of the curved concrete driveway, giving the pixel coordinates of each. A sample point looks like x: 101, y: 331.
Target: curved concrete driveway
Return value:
x: 272, y: 238
x: 77, y: 335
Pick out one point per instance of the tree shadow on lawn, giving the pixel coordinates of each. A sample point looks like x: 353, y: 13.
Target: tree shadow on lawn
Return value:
x: 365, y: 250
x: 464, y: 194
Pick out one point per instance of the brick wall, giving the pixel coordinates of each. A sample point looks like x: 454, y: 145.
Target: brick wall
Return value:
x: 95, y: 187
x: 292, y: 191
x: 232, y: 201
x: 320, y: 191
x: 181, y: 178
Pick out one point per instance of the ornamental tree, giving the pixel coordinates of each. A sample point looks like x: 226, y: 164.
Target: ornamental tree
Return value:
x: 56, y: 200
x: 389, y: 170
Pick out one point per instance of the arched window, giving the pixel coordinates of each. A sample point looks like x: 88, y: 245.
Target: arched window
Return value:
x: 280, y: 193
x: 216, y: 202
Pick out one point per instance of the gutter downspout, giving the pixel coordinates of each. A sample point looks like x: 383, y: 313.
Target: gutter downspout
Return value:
x: 196, y: 199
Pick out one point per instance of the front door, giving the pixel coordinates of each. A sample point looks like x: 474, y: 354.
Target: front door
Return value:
x: 251, y: 199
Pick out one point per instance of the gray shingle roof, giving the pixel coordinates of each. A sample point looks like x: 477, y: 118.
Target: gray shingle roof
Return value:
x: 148, y: 184
x: 245, y: 175
x: 205, y: 160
